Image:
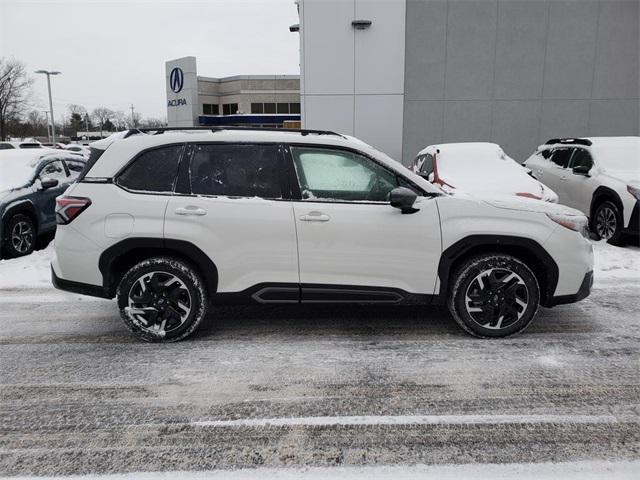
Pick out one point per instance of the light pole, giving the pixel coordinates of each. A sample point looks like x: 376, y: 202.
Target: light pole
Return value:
x: 46, y: 114
x: 53, y: 125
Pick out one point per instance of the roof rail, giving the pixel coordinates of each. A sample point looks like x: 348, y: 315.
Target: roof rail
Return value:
x: 575, y: 141
x: 159, y: 130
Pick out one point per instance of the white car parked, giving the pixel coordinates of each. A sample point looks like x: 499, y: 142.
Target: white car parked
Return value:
x: 481, y: 168
x: 599, y: 176
x: 172, y: 221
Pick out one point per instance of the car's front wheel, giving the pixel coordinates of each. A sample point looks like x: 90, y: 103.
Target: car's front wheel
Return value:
x: 19, y: 236
x: 493, y: 295
x: 607, y: 223
x: 162, y: 299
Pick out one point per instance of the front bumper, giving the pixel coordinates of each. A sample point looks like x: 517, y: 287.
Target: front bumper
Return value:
x: 583, y: 292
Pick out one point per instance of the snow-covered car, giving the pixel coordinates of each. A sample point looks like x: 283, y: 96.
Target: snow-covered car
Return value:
x: 600, y: 176
x: 77, y: 148
x: 172, y: 221
x: 27, y: 144
x: 479, y: 168
x: 30, y: 181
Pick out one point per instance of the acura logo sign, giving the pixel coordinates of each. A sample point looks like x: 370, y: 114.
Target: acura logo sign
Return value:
x: 176, y: 79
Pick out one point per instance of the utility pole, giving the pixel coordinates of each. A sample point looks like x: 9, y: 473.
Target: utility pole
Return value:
x: 46, y: 114
x: 133, y: 118
x: 86, y: 122
x: 53, y: 125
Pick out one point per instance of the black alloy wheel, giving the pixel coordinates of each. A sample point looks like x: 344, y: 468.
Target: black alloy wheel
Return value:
x: 493, y: 295
x: 162, y: 299
x: 607, y: 223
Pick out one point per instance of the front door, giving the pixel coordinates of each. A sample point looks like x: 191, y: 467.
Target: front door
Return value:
x: 353, y: 246
x: 46, y: 199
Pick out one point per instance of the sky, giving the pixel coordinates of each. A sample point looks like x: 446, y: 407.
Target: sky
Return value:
x: 112, y: 53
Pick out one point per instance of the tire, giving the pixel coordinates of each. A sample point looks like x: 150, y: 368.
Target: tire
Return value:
x: 608, y: 223
x: 493, y: 295
x: 162, y: 299
x: 19, y: 236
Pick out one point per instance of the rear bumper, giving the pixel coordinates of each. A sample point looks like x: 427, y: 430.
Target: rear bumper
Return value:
x: 583, y: 292
x: 77, y: 287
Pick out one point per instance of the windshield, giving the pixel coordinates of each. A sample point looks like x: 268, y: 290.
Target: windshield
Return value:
x: 621, y: 155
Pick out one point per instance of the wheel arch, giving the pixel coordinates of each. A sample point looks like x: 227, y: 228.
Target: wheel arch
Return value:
x: 530, y: 252
x: 603, y: 194
x: 117, y: 259
x: 24, y: 207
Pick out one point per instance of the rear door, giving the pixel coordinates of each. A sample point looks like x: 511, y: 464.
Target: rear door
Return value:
x: 555, y: 174
x: 579, y: 188
x: 353, y: 246
x: 229, y: 202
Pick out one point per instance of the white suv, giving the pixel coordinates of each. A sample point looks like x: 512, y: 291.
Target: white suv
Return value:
x: 599, y: 176
x: 173, y: 222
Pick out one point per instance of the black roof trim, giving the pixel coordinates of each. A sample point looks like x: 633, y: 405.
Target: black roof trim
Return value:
x: 570, y: 141
x: 159, y: 130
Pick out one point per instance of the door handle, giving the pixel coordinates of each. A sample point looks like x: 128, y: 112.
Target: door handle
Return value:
x: 191, y: 210
x: 315, y: 217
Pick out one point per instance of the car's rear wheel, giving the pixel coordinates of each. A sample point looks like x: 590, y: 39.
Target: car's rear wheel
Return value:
x: 607, y: 223
x: 19, y: 236
x: 162, y: 299
x: 494, y: 295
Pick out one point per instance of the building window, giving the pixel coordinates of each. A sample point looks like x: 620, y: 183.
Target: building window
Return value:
x: 272, y: 108
x: 229, y: 108
x: 210, y: 109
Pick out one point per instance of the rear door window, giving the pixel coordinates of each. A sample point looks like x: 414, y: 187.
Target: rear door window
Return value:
x: 239, y: 170
x: 581, y: 158
x: 561, y: 156
x: 153, y: 171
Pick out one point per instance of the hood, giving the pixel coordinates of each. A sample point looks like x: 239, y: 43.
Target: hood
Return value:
x: 523, y: 204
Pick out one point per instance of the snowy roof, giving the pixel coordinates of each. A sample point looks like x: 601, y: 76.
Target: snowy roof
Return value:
x: 17, y: 166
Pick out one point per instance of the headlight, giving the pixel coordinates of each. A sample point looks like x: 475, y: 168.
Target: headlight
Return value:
x: 634, y: 190
x: 577, y: 223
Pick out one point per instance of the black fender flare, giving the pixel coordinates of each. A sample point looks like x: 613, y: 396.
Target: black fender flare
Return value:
x: 22, y: 205
x: 605, y: 193
x: 535, y: 256
x: 148, y: 247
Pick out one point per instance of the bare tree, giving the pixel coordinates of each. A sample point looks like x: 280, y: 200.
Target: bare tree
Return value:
x: 134, y: 120
x: 153, y: 123
x: 15, y: 89
x: 76, y: 109
x: 35, y: 119
x: 101, y: 115
x: 119, y: 120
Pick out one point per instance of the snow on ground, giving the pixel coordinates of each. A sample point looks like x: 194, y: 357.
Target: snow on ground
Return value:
x: 590, y: 470
x: 33, y: 271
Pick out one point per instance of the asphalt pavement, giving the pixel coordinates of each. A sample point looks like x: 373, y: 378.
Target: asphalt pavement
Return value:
x: 314, y: 386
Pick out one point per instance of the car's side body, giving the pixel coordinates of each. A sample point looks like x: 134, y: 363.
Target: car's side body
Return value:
x: 555, y: 162
x: 295, y: 246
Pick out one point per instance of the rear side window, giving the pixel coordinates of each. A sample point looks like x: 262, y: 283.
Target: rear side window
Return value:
x: 235, y: 171
x: 561, y: 157
x: 581, y: 158
x: 427, y: 165
x: 153, y: 171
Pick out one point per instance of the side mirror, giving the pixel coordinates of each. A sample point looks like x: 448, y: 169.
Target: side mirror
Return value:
x: 48, y: 183
x: 403, y: 198
x: 581, y: 170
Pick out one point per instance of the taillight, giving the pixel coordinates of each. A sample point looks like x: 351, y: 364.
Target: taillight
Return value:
x: 68, y: 208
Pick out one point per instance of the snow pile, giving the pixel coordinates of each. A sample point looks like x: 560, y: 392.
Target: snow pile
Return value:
x: 32, y: 271
x: 616, y: 263
x: 586, y: 470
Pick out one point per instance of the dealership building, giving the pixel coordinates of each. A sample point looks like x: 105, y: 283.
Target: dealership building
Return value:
x: 403, y: 74
x: 254, y: 100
